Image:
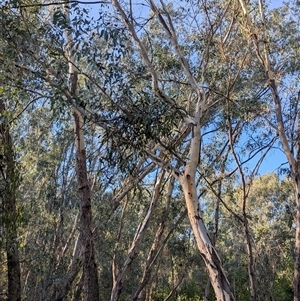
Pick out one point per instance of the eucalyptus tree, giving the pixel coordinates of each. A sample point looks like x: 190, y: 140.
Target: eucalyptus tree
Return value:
x: 277, y: 55
x: 189, y: 70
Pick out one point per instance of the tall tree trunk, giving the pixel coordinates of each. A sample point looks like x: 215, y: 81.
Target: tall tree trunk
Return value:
x: 211, y: 259
x: 9, y: 179
x: 262, y: 54
x: 297, y: 221
x: 295, y: 169
x: 297, y: 252
x: 90, y: 273
x: 188, y: 176
x: 251, y: 269
x: 215, y: 234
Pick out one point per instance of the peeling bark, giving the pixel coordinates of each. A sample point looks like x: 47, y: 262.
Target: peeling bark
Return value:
x: 90, y: 274
x: 211, y: 259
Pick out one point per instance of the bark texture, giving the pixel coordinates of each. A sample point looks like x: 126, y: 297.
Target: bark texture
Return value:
x: 90, y: 274
x: 8, y: 194
x: 295, y: 169
x: 251, y: 267
x: 297, y: 221
x: 211, y: 259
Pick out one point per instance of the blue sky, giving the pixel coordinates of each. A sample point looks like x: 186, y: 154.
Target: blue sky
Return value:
x: 275, y: 3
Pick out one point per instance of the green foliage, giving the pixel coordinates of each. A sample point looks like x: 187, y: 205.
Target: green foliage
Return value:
x: 128, y: 120
x: 283, y: 289
x: 190, y: 291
